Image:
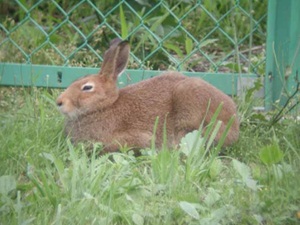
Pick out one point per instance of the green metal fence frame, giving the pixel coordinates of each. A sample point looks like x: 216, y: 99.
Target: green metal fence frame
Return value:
x: 283, y: 50
x: 283, y: 39
x: 61, y: 77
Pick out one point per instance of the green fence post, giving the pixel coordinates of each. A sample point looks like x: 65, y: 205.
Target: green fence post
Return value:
x: 283, y: 50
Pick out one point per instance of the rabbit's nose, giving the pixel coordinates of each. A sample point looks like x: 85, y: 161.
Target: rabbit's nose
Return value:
x: 59, y: 102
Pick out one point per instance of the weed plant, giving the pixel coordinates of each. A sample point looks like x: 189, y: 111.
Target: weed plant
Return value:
x: 44, y: 179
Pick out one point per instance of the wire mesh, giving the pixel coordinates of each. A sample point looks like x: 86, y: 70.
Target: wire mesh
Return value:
x: 188, y: 35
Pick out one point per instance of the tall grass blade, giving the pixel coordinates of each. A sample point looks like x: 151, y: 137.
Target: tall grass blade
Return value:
x: 214, y: 133
x: 213, y: 121
x: 165, y: 136
x: 124, y: 27
x: 154, y: 133
x: 225, y: 133
x: 188, y: 45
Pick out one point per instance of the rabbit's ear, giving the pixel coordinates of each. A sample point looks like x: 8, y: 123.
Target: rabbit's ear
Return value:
x: 115, y: 41
x: 115, y: 59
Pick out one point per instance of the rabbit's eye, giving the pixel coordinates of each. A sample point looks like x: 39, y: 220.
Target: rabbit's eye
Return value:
x: 87, y: 87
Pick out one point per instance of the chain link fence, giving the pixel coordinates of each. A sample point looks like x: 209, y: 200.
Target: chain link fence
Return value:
x: 188, y: 35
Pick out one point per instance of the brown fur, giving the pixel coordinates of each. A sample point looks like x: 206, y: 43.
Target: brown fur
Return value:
x: 126, y: 116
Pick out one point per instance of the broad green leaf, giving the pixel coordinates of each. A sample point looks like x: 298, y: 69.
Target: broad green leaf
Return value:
x: 190, y: 209
x: 219, y: 214
x: 215, y: 168
x: 212, y: 197
x: 271, y: 154
x: 88, y: 195
x: 7, y: 184
x: 174, y: 48
x: 256, y: 87
x: 160, y: 31
x: 119, y: 159
x: 129, y: 198
x: 242, y: 169
x: 260, y: 117
x: 137, y: 219
x: 190, y: 141
x: 207, y: 42
x: 259, y: 218
x: 232, y: 66
x: 252, y: 184
x: 278, y: 171
x: 157, y: 21
x: 245, y: 172
x: 47, y: 156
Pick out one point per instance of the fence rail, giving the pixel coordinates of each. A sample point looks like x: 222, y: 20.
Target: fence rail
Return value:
x: 222, y: 41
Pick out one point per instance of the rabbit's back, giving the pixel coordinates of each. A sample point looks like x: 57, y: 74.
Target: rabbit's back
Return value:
x: 195, y: 103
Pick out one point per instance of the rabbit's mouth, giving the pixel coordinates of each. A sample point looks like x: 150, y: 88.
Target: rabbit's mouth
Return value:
x: 67, y: 108
x: 71, y: 113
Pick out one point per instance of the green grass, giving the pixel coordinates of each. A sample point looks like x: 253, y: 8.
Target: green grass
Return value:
x: 44, y: 179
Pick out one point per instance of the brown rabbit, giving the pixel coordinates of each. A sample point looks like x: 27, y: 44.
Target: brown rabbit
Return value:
x: 98, y: 111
